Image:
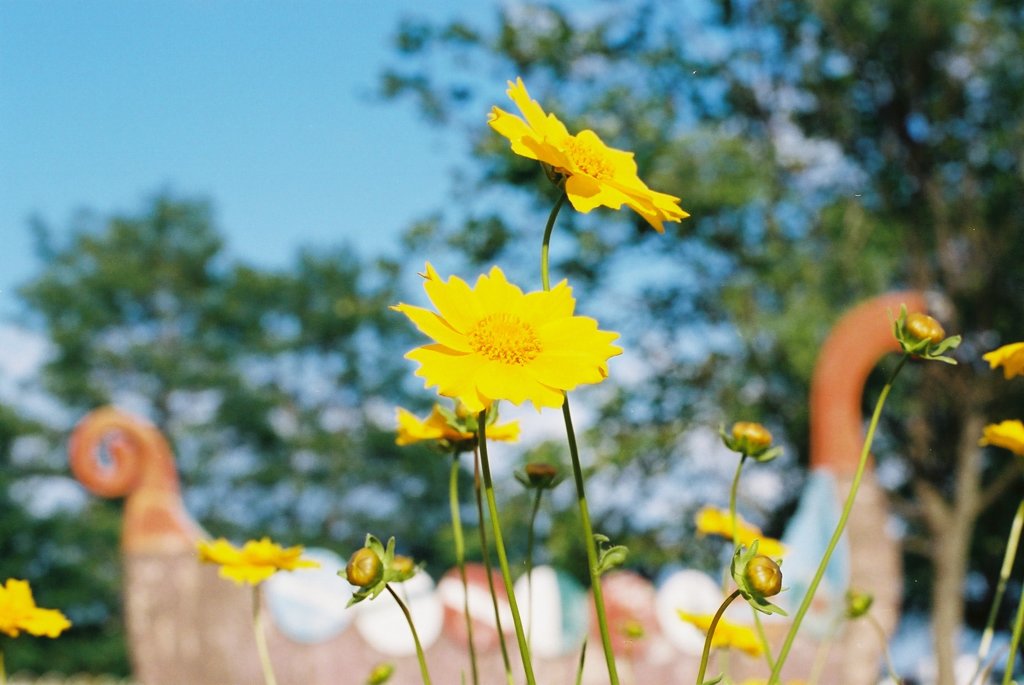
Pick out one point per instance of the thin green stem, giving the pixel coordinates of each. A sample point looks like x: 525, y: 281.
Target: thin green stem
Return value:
x: 1011, y: 658
x: 840, y: 527
x: 415, y: 636
x: 583, y: 659
x: 460, y: 559
x: 499, y: 544
x: 546, y: 242
x: 529, y: 560
x: 3, y: 672
x: 733, y: 491
x: 763, y: 637
x: 884, y: 640
x: 706, y: 654
x: 591, y: 546
x: 1012, y: 543
x: 485, y: 554
x: 261, y: 638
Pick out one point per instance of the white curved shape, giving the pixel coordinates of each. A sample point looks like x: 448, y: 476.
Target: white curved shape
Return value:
x: 691, y: 591
x: 308, y: 605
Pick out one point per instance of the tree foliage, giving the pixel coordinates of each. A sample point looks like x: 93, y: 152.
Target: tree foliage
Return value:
x: 828, y: 152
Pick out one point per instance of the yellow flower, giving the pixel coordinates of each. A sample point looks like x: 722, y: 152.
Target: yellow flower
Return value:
x: 1010, y: 357
x: 18, y: 612
x: 728, y: 635
x: 715, y: 521
x: 1008, y: 434
x: 436, y: 427
x: 256, y: 561
x: 495, y: 343
x: 597, y: 175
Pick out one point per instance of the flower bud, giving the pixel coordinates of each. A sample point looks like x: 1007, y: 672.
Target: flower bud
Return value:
x: 755, y: 435
x: 541, y: 475
x: 923, y: 327
x: 380, y: 674
x: 364, y: 568
x: 858, y: 603
x: 764, y: 576
x: 403, y: 567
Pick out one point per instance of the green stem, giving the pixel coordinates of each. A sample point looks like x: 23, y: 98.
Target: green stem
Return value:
x: 733, y: 490
x: 485, y: 554
x: 763, y: 637
x: 415, y: 636
x: 545, y: 243
x: 706, y: 654
x: 884, y: 639
x: 1012, y: 543
x: 583, y: 659
x: 261, y: 638
x: 591, y: 546
x: 460, y: 559
x: 3, y: 672
x: 840, y: 527
x: 499, y: 544
x: 529, y: 560
x: 1011, y: 658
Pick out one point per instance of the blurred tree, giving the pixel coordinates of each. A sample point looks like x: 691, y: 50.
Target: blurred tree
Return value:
x: 827, y: 152
x: 276, y: 388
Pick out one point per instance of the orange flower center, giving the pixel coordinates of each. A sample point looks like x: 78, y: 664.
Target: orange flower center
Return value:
x: 588, y: 158
x: 504, y: 338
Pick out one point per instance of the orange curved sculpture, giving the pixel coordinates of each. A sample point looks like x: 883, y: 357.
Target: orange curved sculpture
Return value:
x: 139, y: 466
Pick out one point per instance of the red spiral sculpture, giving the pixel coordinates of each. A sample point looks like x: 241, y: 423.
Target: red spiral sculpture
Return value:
x: 139, y: 466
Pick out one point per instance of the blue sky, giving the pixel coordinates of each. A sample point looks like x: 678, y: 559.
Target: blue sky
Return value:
x: 265, y: 108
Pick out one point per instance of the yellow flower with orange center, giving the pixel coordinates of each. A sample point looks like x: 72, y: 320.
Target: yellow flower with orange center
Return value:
x: 596, y: 175
x: 18, y: 612
x: 1007, y: 434
x: 715, y: 521
x: 254, y: 562
x: 493, y: 342
x: 412, y: 429
x: 1010, y: 357
x: 728, y: 635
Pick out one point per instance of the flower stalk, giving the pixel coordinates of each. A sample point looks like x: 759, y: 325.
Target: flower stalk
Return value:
x: 261, y: 638
x: 787, y: 644
x: 499, y: 544
x: 1012, y: 543
x: 1011, y: 658
x: 706, y: 654
x: 424, y: 673
x: 460, y: 560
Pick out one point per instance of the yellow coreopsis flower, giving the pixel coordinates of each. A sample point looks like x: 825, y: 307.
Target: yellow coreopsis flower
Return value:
x: 1010, y: 357
x: 596, y: 175
x: 493, y: 342
x: 412, y: 429
x: 18, y: 612
x: 1007, y: 434
x: 256, y: 561
x: 728, y: 635
x: 715, y: 521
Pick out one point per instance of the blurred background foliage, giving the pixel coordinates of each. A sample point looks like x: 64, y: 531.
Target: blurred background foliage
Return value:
x: 828, y: 151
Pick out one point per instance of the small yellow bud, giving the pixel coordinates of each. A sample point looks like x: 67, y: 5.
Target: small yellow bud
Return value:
x: 753, y: 435
x: 858, y: 603
x: 404, y: 566
x: 364, y: 568
x: 764, y: 576
x: 540, y: 474
x: 923, y: 327
x: 380, y: 674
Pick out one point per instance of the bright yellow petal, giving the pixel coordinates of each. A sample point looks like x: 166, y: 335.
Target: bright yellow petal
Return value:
x: 504, y: 432
x: 1007, y: 434
x: 45, y: 622
x: 411, y: 429
x: 513, y: 128
x: 252, y: 575
x: 452, y: 373
x: 1010, y: 357
x: 454, y: 299
x: 433, y: 326
x: 495, y: 293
